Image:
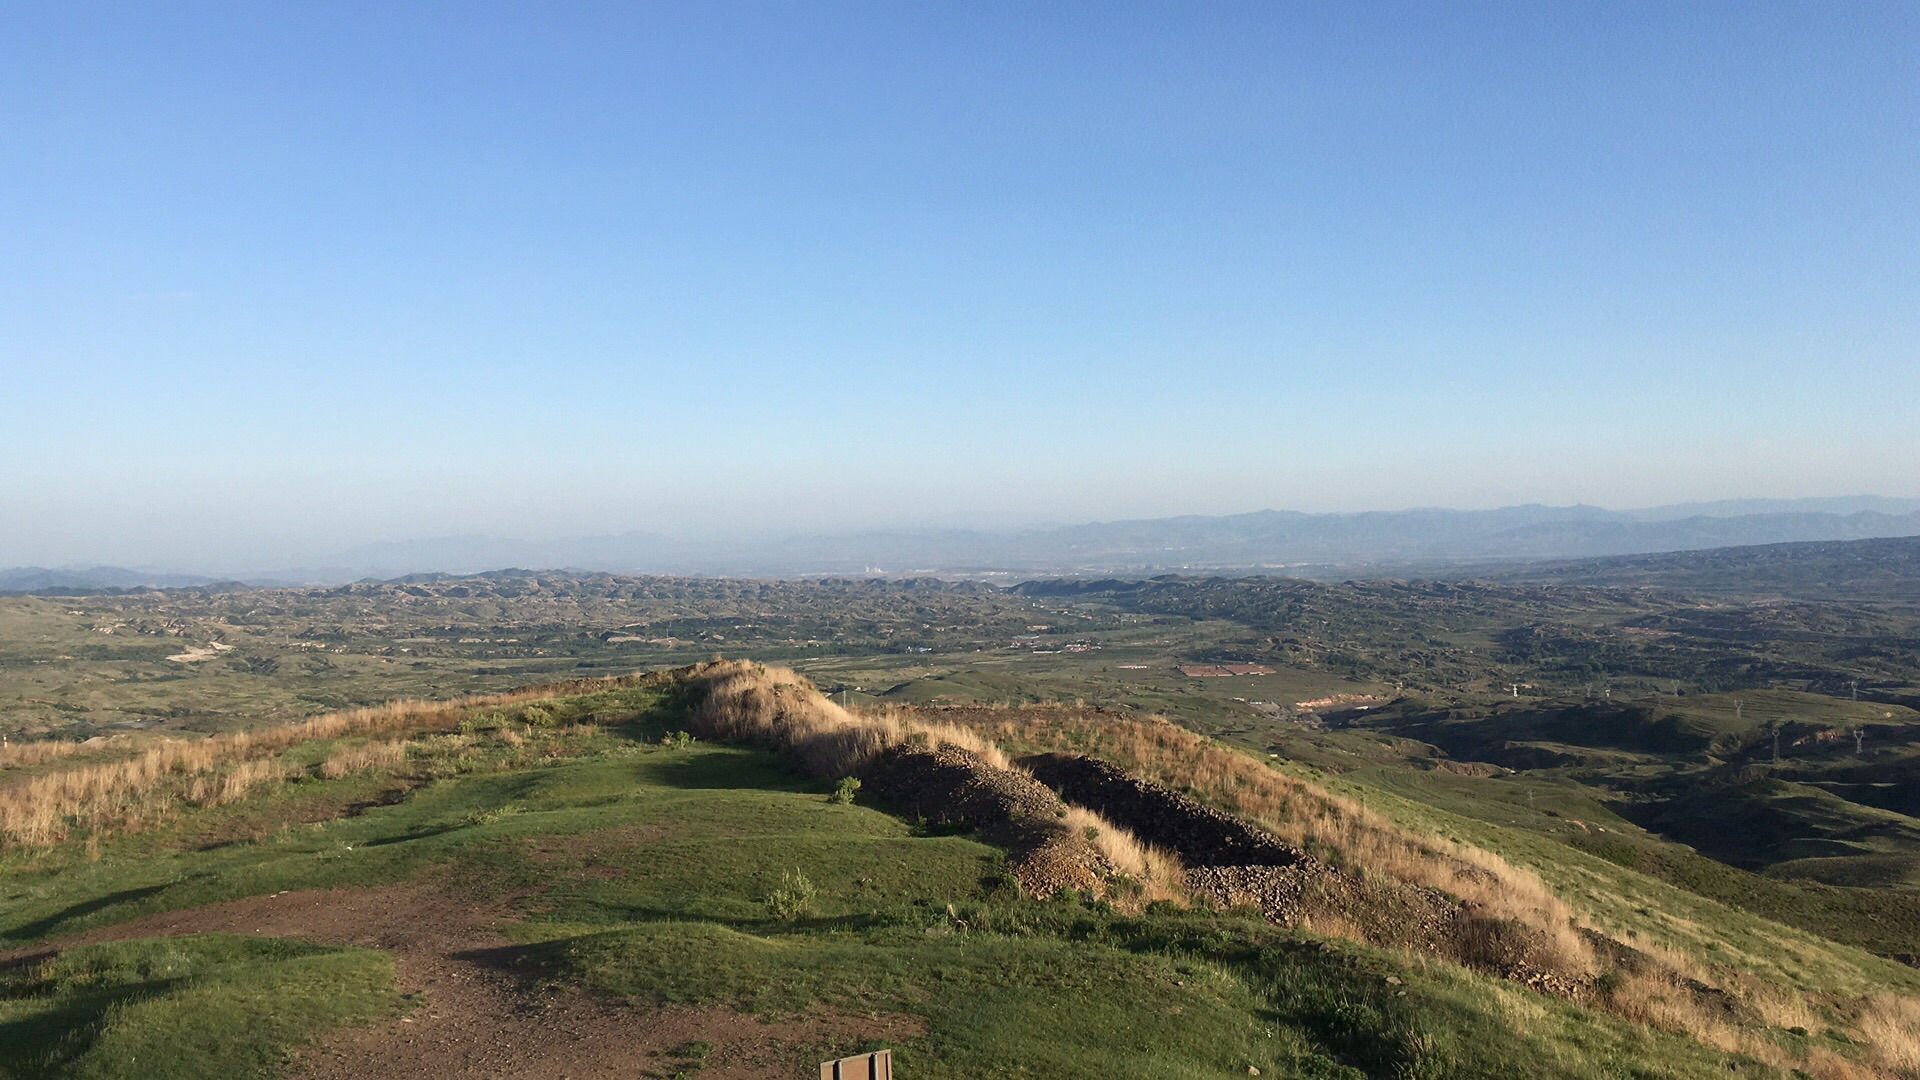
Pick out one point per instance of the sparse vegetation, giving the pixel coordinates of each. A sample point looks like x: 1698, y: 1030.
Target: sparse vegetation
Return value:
x: 128, y: 791
x: 386, y: 754
x: 744, y: 702
x: 1550, y: 814
x: 793, y: 898
x: 1517, y: 914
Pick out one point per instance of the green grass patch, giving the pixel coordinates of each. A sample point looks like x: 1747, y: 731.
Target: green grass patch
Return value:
x: 212, y: 1005
x: 654, y: 873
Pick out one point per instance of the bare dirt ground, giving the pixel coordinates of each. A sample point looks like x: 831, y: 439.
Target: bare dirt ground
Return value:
x: 476, y: 1018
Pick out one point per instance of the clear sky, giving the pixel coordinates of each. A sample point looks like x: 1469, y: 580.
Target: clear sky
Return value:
x: 278, y: 278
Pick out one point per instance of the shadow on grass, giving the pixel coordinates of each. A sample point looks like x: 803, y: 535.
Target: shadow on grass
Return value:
x: 723, y: 769
x: 40, y: 928
x: 422, y: 833
x: 45, y: 1043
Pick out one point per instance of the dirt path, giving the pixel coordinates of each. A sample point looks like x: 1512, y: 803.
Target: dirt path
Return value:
x: 476, y: 1018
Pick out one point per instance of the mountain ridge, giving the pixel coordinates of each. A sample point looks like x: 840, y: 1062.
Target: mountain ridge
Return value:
x: 1257, y: 540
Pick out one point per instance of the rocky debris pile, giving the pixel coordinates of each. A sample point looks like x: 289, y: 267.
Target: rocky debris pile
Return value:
x: 1235, y: 865
x: 1317, y: 895
x: 1548, y: 982
x: 1201, y: 835
x: 950, y: 786
x: 1274, y: 891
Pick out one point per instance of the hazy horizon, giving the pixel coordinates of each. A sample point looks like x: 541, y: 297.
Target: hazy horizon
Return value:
x: 366, y: 553
x: 288, y: 281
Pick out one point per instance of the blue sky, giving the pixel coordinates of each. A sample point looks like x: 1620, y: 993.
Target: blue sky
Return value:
x: 282, y: 278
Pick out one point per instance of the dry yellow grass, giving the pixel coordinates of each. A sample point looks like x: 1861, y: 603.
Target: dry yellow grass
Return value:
x: 1341, y: 829
x: 1887, y: 1026
x: 1774, y: 1005
x: 1158, y: 871
x: 751, y: 703
x: 40, y: 810
x: 746, y: 702
x: 1891, y: 1025
x: 236, y: 782
x: 385, y: 754
x: 14, y: 755
x: 1330, y: 825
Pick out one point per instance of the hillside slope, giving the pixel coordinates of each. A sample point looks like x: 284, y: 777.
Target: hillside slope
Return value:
x: 562, y: 882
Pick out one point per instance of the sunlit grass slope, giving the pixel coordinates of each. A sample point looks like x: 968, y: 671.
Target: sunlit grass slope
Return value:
x: 660, y: 871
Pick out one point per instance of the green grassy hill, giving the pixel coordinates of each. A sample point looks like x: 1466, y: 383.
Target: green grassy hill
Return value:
x: 696, y: 910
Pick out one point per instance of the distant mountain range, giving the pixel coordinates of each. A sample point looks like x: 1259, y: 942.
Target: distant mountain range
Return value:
x: 1830, y: 569
x: 1265, y: 540
x: 91, y: 578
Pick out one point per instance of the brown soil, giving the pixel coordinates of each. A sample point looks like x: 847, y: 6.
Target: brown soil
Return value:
x: 476, y: 1017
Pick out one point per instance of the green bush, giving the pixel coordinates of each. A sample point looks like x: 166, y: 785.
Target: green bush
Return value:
x: 488, y: 817
x: 845, y: 790
x: 793, y: 899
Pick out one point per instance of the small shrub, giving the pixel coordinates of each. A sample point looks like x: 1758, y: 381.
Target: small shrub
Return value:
x: 1000, y: 885
x: 694, y: 1054
x: 677, y: 739
x: 1607, y: 984
x: 489, y: 816
x: 535, y: 716
x: 793, y: 899
x: 844, y: 791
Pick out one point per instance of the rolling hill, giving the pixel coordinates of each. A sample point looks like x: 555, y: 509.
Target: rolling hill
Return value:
x: 678, y: 874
